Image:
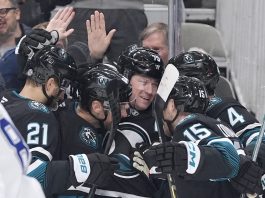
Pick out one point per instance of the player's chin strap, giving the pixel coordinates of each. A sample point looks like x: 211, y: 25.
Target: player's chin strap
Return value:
x: 51, y: 100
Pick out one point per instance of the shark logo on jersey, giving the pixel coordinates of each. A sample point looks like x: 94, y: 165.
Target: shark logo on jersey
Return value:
x: 89, y: 137
x: 38, y: 106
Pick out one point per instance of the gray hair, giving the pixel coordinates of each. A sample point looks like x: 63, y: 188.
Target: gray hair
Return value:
x: 155, y: 27
x: 14, y: 3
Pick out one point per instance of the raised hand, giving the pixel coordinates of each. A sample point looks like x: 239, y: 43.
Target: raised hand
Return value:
x: 98, y: 39
x: 60, y: 22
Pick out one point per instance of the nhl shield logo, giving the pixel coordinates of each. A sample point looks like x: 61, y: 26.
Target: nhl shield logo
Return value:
x: 88, y: 136
x: 188, y: 58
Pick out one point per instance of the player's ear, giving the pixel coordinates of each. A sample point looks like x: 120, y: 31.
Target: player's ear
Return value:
x: 50, y: 83
x: 96, y: 107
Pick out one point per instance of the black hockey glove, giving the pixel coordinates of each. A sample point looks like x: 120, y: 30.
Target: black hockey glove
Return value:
x: 35, y: 40
x: 144, y: 159
x: 248, y: 179
x: 93, y: 168
x: 261, y: 154
x: 180, y: 158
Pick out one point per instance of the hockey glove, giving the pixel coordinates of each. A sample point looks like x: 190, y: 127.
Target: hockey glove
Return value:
x: 180, y: 158
x: 261, y: 154
x: 35, y: 40
x: 248, y: 179
x: 93, y: 168
x: 144, y: 161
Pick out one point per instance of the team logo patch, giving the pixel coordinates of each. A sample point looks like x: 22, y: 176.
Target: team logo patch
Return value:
x: 38, y: 106
x: 214, y: 101
x: 188, y: 58
x: 88, y: 136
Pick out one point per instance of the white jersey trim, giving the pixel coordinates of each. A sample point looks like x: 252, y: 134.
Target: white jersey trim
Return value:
x: 43, y: 151
x: 252, y: 137
x: 34, y: 166
x: 136, y: 125
x: 248, y: 127
x: 106, y: 192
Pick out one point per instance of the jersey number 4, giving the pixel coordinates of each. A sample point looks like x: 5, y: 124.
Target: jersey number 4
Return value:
x: 234, y: 117
x: 37, y: 133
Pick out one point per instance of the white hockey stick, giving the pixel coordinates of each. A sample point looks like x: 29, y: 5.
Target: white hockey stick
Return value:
x: 256, y: 152
x: 170, y: 77
x: 259, y: 140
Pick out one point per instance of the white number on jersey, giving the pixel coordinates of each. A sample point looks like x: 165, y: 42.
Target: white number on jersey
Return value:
x: 37, y: 132
x: 196, y: 132
x: 234, y: 117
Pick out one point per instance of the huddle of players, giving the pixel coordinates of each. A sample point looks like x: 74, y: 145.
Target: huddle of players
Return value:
x: 207, y: 135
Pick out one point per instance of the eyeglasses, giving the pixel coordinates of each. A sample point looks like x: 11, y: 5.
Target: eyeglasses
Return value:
x: 4, y: 11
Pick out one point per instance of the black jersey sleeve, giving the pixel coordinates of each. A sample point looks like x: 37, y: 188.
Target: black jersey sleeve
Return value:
x: 230, y: 111
x: 219, y: 156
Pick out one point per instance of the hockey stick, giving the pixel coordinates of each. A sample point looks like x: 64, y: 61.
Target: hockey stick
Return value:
x: 256, y: 151
x: 112, y: 93
x: 170, y: 77
x: 259, y: 140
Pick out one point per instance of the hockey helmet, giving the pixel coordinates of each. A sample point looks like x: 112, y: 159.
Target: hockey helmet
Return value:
x: 140, y: 60
x: 199, y: 65
x: 98, y: 82
x: 189, y: 95
x: 51, y: 61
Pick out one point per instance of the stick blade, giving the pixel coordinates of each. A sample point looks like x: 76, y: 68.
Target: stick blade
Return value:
x: 169, y: 78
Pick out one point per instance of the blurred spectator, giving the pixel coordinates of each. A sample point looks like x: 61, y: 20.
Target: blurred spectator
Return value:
x: 38, y: 11
x: 155, y: 36
x: 80, y: 52
x: 126, y: 16
x: 10, y: 33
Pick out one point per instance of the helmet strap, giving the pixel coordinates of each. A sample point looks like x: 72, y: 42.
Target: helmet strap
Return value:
x: 51, y: 100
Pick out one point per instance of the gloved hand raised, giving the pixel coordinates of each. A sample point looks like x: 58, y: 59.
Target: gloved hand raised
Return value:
x: 35, y: 40
x: 93, y: 168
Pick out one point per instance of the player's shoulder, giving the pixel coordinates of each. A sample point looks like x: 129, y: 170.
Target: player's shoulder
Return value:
x: 197, y: 119
x: 224, y: 101
x: 11, y: 99
x: 38, y: 107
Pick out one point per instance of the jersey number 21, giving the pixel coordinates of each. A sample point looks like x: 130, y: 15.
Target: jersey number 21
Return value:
x: 37, y: 133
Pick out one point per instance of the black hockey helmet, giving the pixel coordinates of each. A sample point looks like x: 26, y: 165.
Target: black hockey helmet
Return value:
x: 51, y: 61
x: 97, y: 82
x: 140, y: 60
x: 199, y: 65
x: 189, y: 95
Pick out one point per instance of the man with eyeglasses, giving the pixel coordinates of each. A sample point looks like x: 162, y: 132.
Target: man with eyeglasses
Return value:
x: 10, y: 33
